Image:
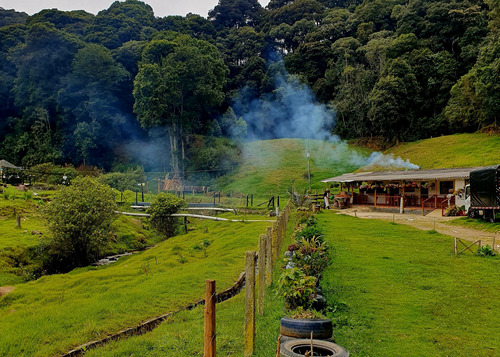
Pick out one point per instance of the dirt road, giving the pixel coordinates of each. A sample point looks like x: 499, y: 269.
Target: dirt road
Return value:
x: 429, y: 222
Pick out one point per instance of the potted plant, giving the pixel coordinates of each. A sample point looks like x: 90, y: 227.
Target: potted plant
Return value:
x: 299, y: 291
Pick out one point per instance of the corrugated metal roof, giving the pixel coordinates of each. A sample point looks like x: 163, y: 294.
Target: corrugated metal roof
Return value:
x: 409, y: 175
x: 5, y: 163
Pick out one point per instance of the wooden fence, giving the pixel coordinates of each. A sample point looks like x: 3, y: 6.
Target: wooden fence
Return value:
x: 268, y: 252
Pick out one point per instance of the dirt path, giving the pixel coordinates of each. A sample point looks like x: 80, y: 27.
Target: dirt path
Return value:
x: 438, y: 223
x: 4, y: 290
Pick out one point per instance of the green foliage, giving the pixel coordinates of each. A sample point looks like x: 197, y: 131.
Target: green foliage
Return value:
x: 309, y: 233
x: 311, y: 257
x: 79, y: 219
x: 52, y: 174
x: 123, y: 181
x: 161, y: 208
x: 486, y: 251
x: 296, y: 288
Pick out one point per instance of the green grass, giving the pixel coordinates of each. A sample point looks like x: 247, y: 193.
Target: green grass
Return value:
x: 269, y: 166
x: 459, y: 150
x: 182, y: 334
x: 397, y: 291
x: 475, y: 223
x: 55, y: 313
x: 392, y: 291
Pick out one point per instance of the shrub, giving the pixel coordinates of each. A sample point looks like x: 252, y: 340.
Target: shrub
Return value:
x: 486, y: 251
x: 161, y: 209
x: 309, y: 232
x: 79, y: 218
x: 312, y: 257
x: 296, y: 288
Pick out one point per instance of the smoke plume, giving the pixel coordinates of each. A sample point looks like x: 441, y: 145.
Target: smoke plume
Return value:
x: 292, y: 111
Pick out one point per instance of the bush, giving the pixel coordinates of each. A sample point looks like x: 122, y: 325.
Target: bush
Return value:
x: 297, y: 288
x: 309, y: 232
x: 52, y: 174
x: 312, y: 257
x: 486, y: 251
x: 122, y: 181
x: 79, y: 218
x: 161, y: 209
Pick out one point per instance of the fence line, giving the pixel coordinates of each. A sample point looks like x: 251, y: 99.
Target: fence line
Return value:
x: 274, y: 238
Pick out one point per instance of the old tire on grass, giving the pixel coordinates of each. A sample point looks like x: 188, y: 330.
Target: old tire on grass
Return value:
x: 301, y: 328
x: 298, y: 348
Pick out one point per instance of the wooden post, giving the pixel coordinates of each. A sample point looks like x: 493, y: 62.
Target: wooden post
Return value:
x: 435, y: 193
x: 185, y: 224
x: 262, y: 272
x: 209, y: 344
x: 18, y: 221
x: 274, y: 241
x: 249, y: 304
x: 456, y: 251
x: 479, y: 244
x: 375, y: 197
x: 269, y: 257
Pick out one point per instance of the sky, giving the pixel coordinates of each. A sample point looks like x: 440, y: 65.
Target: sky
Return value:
x: 161, y: 8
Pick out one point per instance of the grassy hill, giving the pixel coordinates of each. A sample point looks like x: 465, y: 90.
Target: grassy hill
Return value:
x: 270, y: 166
x: 459, y: 150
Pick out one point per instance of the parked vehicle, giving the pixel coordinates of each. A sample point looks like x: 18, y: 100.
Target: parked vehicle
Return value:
x: 483, y: 193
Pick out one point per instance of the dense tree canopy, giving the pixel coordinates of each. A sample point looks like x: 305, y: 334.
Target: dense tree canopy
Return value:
x: 80, y: 88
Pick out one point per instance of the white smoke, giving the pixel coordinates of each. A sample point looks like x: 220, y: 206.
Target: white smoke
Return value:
x: 292, y: 111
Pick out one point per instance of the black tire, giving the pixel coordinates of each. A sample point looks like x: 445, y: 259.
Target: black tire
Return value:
x: 298, y: 348
x: 301, y: 328
x: 471, y: 213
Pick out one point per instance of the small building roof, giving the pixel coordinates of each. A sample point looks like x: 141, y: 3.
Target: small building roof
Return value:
x: 6, y: 164
x: 408, y: 175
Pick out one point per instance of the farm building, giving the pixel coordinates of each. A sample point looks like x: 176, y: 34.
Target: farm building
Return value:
x: 413, y: 189
x: 9, y: 172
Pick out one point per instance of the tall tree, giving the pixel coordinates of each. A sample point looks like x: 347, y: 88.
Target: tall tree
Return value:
x: 180, y: 80
x: 231, y: 13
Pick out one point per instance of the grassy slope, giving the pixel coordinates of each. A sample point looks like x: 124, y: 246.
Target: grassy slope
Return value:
x: 54, y: 313
x: 270, y: 165
x: 459, y: 150
x: 393, y: 291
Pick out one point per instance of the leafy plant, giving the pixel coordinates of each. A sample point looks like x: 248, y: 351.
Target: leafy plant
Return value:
x: 486, y: 251
x: 309, y: 232
x: 161, y: 209
x: 312, y: 257
x: 296, y: 288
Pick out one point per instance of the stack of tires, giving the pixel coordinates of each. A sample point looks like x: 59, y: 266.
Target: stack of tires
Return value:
x: 296, y: 338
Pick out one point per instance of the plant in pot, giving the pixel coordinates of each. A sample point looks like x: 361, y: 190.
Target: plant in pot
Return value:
x: 299, y: 291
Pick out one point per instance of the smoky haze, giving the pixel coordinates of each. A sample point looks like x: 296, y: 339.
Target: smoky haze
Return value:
x: 292, y: 111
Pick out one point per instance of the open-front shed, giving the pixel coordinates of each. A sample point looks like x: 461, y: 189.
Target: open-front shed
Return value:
x: 425, y: 189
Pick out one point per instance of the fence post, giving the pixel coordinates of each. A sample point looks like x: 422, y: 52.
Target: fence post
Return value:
x: 456, y: 253
x: 262, y: 272
x: 276, y: 240
x: 269, y: 257
x: 249, y: 304
x: 209, y: 343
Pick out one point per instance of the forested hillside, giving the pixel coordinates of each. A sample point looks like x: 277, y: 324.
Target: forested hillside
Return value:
x: 124, y: 87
